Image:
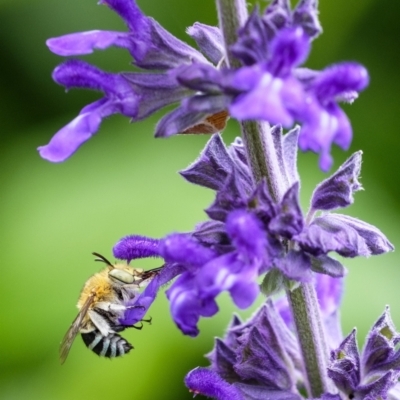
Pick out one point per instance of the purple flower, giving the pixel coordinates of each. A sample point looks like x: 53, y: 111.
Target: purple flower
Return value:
x: 270, y: 92
x: 376, y: 372
x: 135, y: 95
x: 133, y: 247
x: 119, y: 98
x: 249, y: 232
x: 324, y: 121
x: 243, y: 366
x: 249, y: 235
x: 273, y: 88
x: 269, y: 86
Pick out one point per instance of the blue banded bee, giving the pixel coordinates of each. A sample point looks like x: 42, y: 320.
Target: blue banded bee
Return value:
x: 101, y: 304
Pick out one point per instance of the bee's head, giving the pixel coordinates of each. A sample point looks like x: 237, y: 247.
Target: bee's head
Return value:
x: 121, y: 274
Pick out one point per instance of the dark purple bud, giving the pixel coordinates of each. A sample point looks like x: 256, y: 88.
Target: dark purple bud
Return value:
x: 378, y: 389
x: 345, y: 365
x: 337, y: 191
x: 277, y: 16
x: 209, y: 40
x: 135, y: 246
x: 212, y: 167
x: 252, y: 44
x: 231, y: 197
x: 289, y: 219
x: 223, y: 357
x: 306, y: 16
x: 379, y: 354
x: 256, y: 363
x: 262, y: 204
x: 329, y: 396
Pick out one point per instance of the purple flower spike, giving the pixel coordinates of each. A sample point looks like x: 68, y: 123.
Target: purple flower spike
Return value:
x: 243, y: 362
x: 208, y: 383
x: 135, y: 246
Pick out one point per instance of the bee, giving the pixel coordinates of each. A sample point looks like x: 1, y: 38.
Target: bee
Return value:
x: 101, y: 304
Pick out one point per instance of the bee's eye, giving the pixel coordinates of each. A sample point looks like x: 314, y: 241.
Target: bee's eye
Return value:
x: 120, y: 275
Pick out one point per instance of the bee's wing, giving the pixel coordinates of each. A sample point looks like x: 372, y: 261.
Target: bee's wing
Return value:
x: 73, y: 330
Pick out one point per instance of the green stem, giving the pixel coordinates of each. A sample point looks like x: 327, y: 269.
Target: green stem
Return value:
x: 232, y: 14
x: 264, y: 164
x: 263, y: 158
x: 311, y: 336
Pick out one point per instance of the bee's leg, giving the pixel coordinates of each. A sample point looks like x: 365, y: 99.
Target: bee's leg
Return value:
x: 130, y: 307
x: 147, y: 320
x: 110, y: 307
x: 138, y: 327
x: 100, y: 322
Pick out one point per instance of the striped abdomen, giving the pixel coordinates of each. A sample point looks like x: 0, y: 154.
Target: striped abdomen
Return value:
x: 112, y: 345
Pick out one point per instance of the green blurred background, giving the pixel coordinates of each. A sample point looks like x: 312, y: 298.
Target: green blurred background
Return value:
x: 123, y: 181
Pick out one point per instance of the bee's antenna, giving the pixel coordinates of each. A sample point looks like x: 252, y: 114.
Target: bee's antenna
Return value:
x: 102, y: 259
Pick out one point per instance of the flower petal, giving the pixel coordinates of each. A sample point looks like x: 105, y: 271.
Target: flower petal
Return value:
x: 136, y: 246
x: 85, y: 42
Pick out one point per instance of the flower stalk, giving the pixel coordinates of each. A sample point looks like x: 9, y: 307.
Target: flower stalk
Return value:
x: 311, y: 337
x: 232, y: 14
x: 264, y: 164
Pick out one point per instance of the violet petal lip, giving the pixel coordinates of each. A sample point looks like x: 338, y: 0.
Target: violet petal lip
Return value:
x: 81, y: 43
